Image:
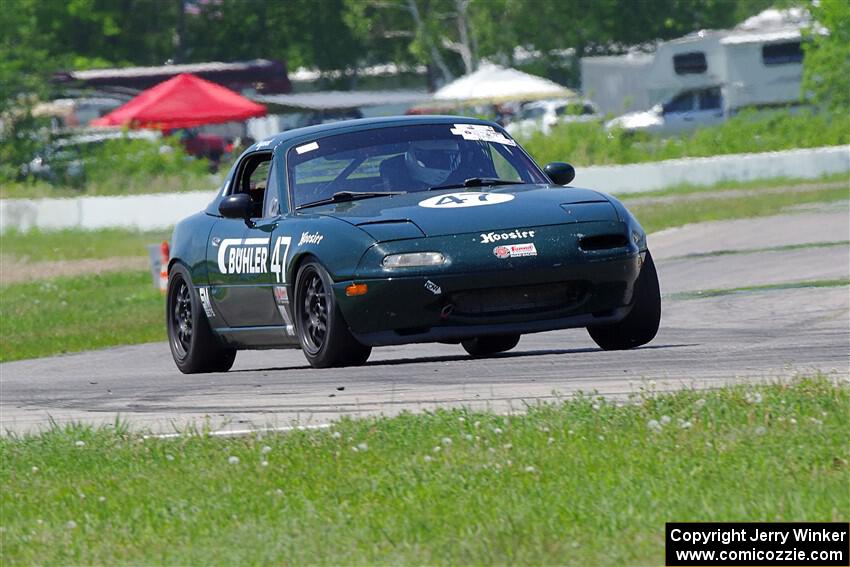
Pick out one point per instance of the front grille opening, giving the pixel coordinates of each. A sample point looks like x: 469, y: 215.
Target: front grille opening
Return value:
x: 603, y: 242
x: 526, y: 299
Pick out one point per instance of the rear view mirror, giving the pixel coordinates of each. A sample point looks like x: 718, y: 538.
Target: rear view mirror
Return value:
x: 560, y: 173
x: 237, y: 206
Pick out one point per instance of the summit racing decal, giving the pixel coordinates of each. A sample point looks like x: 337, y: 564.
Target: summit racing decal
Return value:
x: 512, y: 235
x: 465, y: 199
x: 243, y: 255
x: 515, y: 250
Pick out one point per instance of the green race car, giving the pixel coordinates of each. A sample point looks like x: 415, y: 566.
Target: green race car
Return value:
x: 346, y: 236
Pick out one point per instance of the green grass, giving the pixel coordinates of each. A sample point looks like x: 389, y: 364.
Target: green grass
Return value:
x: 756, y: 288
x: 590, y: 144
x: 841, y: 179
x: 82, y: 313
x: 657, y: 216
x: 75, y: 244
x: 586, y: 482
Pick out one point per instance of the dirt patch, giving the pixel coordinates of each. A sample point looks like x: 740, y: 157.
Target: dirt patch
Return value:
x: 13, y: 270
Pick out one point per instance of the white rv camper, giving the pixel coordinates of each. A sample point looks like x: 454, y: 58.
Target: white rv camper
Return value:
x: 706, y: 76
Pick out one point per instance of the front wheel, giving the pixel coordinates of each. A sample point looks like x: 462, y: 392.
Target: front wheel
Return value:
x: 322, y: 331
x: 641, y: 324
x: 485, y: 346
x: 194, y: 347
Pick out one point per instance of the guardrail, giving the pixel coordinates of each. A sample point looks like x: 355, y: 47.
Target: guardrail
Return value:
x: 150, y: 212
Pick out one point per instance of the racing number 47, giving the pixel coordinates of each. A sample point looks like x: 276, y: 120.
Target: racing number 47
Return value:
x: 279, y: 260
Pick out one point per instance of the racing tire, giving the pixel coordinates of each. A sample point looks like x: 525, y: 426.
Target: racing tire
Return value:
x: 641, y: 324
x: 322, y: 331
x: 193, y: 345
x: 485, y: 346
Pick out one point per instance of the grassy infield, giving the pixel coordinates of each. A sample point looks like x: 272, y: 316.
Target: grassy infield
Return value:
x: 583, y: 482
x: 70, y: 314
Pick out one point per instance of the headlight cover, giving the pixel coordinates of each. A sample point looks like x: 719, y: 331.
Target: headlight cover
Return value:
x: 413, y: 260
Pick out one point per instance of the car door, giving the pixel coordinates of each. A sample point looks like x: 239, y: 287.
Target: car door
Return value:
x: 239, y: 255
x: 709, y: 107
x: 679, y: 112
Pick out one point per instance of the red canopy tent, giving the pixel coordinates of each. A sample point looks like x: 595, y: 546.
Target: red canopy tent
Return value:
x: 183, y: 101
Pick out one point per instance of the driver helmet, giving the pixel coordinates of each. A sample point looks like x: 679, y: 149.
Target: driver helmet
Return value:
x: 432, y: 161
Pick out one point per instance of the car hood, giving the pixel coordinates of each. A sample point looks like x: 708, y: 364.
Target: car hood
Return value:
x: 440, y: 213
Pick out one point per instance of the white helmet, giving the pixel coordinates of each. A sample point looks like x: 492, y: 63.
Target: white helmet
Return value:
x: 432, y: 161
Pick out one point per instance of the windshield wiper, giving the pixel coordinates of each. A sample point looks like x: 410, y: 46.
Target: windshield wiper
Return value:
x: 477, y: 182
x: 341, y: 196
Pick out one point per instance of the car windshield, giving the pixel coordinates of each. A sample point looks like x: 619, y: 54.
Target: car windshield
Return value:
x: 405, y: 159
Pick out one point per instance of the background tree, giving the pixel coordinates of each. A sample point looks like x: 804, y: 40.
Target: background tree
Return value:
x: 826, y: 67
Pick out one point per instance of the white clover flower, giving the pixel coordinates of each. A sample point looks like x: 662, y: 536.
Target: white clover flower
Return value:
x: 278, y: 492
x: 700, y: 402
x: 354, y: 449
x: 446, y: 441
x: 684, y: 424
x: 665, y: 419
x: 363, y: 446
x: 508, y: 463
x: 602, y: 438
x: 570, y: 432
x: 427, y: 458
x: 477, y: 424
x: 530, y: 469
x: 101, y: 498
x: 461, y: 419
x: 80, y: 443
x: 544, y: 429
x: 468, y: 437
x: 169, y: 457
x: 497, y: 430
x: 595, y: 406
x: 491, y: 450
x: 266, y: 450
x: 437, y: 449
x: 507, y: 446
x: 792, y: 421
x: 653, y: 425
x: 753, y: 398
x: 336, y: 434
x: 34, y: 470
x: 550, y: 440
x: 760, y: 430
x: 264, y: 463
x: 71, y: 524
x: 233, y: 460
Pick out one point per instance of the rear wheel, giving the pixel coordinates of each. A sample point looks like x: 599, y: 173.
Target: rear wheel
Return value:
x: 194, y: 347
x: 322, y: 331
x: 641, y: 324
x: 485, y: 346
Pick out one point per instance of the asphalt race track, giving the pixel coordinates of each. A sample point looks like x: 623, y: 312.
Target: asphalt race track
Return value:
x: 703, y: 342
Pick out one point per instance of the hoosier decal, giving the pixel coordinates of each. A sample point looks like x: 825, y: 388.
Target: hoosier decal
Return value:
x: 487, y: 238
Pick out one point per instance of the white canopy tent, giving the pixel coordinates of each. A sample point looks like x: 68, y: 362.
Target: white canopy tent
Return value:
x: 495, y: 84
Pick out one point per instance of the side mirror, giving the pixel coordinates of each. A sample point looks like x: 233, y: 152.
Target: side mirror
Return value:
x: 560, y: 173
x: 236, y: 206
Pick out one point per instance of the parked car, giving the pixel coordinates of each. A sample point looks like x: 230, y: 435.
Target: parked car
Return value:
x: 347, y: 236
x: 542, y: 115
x: 64, y: 159
x: 687, y: 110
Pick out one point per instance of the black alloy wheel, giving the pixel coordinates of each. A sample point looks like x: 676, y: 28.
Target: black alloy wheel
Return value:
x: 322, y: 331
x: 194, y: 346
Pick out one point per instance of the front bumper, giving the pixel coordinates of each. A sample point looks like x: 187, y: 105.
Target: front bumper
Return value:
x: 453, y: 306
